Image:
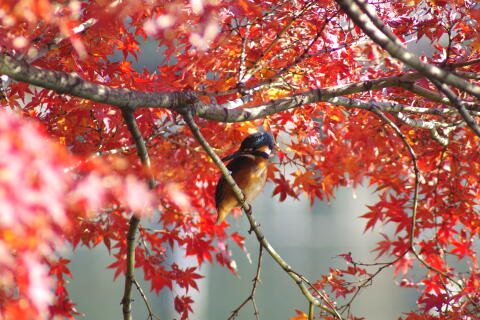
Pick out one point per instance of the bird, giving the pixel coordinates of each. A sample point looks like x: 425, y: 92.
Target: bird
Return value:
x: 248, y: 167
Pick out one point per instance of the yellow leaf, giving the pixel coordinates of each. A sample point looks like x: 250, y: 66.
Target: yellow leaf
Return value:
x: 276, y: 93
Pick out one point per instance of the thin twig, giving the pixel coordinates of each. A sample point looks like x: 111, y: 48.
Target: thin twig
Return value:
x: 365, y: 282
x: 415, y: 200
x: 415, y: 169
x: 255, y: 67
x: 251, y: 297
x: 151, y: 315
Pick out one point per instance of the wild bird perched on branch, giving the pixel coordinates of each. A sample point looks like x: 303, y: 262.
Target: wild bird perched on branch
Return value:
x: 249, y: 170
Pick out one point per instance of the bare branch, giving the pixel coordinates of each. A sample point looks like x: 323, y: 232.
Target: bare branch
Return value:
x: 386, y: 106
x: 151, y: 314
x: 372, y: 15
x: 72, y: 84
x: 440, y: 139
x: 457, y: 103
x: 124, y: 98
x: 398, y: 109
x: 418, y: 123
x: 430, y: 125
x: 374, y: 32
x: 362, y: 15
x: 467, y: 75
x: 134, y: 220
x: 311, y: 309
x: 243, y: 54
x: 416, y: 171
x: 251, y: 297
x: 217, y: 113
x: 130, y: 271
x: 465, y: 63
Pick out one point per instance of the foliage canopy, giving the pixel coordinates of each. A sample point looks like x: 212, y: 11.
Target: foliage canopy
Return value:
x: 85, y: 139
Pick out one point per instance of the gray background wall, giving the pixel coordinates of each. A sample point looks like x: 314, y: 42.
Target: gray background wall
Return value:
x: 308, y: 238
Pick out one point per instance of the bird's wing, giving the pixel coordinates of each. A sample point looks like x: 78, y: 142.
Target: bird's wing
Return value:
x: 219, y: 191
x: 233, y: 166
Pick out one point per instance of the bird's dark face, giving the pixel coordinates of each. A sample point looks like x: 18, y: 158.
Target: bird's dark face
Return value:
x: 256, y: 141
x: 258, y: 144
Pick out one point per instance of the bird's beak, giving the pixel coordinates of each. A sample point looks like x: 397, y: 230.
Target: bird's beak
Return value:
x: 233, y: 155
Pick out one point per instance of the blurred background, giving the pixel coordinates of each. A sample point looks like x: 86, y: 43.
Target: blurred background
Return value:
x: 308, y: 238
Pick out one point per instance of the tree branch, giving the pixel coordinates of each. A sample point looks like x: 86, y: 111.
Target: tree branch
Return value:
x: 367, y: 20
x: 217, y: 113
x: 130, y: 271
x: 374, y: 30
x: 415, y: 205
x: 387, y: 106
x: 311, y: 309
x: 457, y: 103
x: 151, y: 314
x: 433, y: 96
x: 430, y: 125
x: 128, y: 116
x: 251, y: 297
x: 72, y: 84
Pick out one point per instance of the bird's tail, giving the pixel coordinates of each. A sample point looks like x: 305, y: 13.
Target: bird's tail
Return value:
x: 222, y: 213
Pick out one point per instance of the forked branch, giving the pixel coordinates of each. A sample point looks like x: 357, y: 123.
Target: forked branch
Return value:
x: 122, y: 98
x: 251, y: 297
x: 366, y: 18
x: 375, y: 30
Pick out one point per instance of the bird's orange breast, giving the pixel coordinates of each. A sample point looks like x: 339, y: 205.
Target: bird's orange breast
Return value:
x: 250, y: 174
x: 252, y: 179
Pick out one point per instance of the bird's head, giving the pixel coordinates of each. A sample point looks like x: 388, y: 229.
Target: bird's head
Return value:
x: 258, y: 144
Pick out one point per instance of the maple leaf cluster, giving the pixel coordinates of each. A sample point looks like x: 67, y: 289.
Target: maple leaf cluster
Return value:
x: 41, y: 203
x: 70, y: 173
